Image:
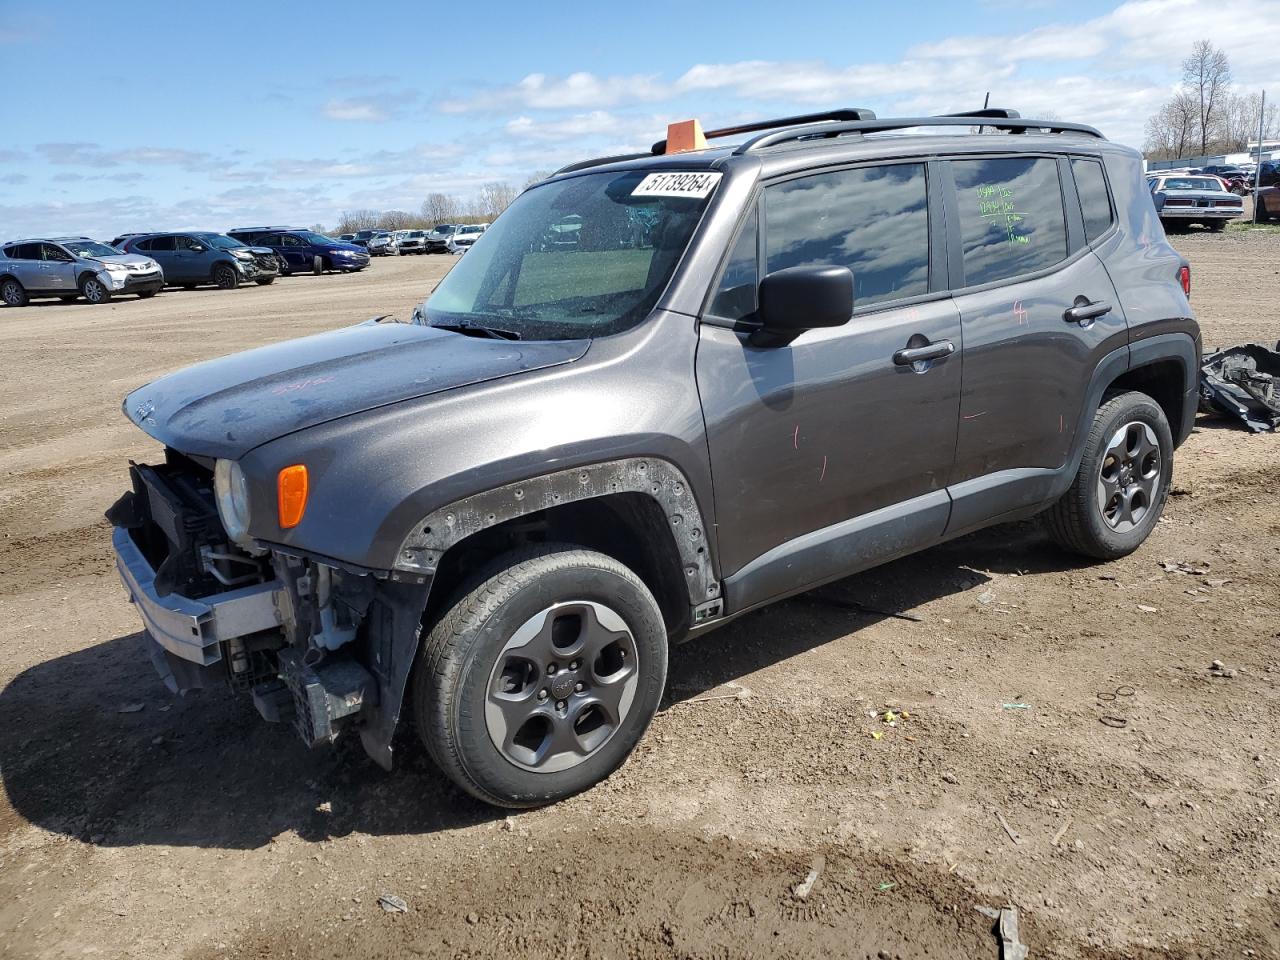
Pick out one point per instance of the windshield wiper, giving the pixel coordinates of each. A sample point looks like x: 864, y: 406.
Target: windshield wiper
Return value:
x: 478, y: 330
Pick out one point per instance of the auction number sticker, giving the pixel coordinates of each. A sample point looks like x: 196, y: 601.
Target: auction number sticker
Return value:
x: 688, y: 184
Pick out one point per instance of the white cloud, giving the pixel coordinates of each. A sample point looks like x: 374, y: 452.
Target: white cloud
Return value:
x: 537, y: 91
x: 357, y: 108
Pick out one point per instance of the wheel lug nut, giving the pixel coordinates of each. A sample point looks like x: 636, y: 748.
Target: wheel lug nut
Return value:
x: 551, y: 669
x: 560, y: 705
x: 542, y: 694
x: 579, y: 687
x: 575, y: 665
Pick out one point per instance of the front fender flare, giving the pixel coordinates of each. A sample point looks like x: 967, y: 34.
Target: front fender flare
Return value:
x: 425, y: 544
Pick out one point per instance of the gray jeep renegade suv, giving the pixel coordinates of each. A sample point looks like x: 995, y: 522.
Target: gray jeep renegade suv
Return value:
x: 748, y: 370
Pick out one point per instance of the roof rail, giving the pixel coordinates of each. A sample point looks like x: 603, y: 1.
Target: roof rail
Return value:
x: 598, y: 161
x: 998, y: 113
x: 819, y: 130
x: 843, y: 114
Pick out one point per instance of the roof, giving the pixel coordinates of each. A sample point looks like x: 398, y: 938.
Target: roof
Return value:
x: 793, y: 141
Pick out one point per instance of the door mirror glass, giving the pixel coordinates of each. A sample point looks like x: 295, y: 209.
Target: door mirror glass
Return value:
x: 802, y: 298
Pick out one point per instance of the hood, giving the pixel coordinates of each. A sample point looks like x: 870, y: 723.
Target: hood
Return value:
x: 343, y: 245
x: 260, y: 251
x: 132, y: 259
x: 226, y: 407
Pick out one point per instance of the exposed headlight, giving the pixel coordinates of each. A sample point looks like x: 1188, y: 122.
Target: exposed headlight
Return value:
x: 242, y: 254
x: 116, y: 267
x: 232, y: 493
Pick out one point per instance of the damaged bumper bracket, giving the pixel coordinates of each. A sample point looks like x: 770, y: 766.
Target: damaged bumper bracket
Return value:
x: 188, y: 628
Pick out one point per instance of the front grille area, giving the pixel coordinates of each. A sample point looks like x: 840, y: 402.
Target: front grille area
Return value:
x: 172, y: 516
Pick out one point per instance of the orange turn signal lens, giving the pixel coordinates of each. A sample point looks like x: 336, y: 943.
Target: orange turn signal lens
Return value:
x: 291, y: 487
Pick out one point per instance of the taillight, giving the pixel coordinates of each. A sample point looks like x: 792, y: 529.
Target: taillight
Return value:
x: 1184, y: 276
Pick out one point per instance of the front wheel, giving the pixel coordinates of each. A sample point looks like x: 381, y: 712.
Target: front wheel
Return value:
x: 265, y: 281
x: 542, y: 676
x: 317, y: 265
x: 94, y: 290
x: 147, y: 294
x: 226, y: 277
x: 1122, y: 484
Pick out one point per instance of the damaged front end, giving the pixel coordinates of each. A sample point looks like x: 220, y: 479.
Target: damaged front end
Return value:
x: 1243, y: 382
x: 318, y: 645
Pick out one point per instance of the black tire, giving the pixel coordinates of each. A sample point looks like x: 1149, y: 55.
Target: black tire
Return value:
x: 317, y: 265
x: 1217, y: 226
x: 265, y: 281
x: 13, y: 293
x: 226, y: 277
x: 1261, y: 216
x: 457, y: 673
x: 1079, y: 521
x: 147, y: 294
x: 94, y: 290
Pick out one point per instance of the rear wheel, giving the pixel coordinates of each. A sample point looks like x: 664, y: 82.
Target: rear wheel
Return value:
x: 94, y: 290
x: 1121, y: 486
x: 14, y: 294
x: 540, y: 679
x: 226, y: 276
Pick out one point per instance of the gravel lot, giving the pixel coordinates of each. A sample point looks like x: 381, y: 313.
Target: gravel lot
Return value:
x: 190, y: 829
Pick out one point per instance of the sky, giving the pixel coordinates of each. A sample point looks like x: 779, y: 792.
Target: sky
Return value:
x: 198, y: 116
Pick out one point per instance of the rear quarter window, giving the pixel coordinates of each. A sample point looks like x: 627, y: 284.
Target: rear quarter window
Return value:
x: 1095, y: 202
x: 1012, y: 221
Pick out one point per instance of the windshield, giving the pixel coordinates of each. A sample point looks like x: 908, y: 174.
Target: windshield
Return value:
x: 219, y: 241
x: 527, y: 278
x: 89, y: 248
x: 1191, y: 183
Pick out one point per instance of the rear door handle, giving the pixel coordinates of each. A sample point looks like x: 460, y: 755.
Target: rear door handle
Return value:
x: 1084, y: 311
x: 930, y: 351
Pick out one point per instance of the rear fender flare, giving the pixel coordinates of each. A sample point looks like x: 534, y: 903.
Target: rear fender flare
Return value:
x: 422, y: 548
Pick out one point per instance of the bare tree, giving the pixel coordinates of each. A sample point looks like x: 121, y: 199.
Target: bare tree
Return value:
x: 440, y: 208
x: 351, y: 221
x: 1240, y: 121
x: 396, y: 220
x: 317, y: 228
x: 1207, y: 74
x: 1172, y: 131
x: 494, y: 198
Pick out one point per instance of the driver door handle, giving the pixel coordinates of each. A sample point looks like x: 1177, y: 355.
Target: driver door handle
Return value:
x: 930, y: 351
x: 1084, y: 311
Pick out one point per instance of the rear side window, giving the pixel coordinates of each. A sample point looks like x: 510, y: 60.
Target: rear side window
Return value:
x: 1095, y: 203
x: 873, y: 220
x: 139, y: 245
x: 1011, y: 217
x: 161, y: 243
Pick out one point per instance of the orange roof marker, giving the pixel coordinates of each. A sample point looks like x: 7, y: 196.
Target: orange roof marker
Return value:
x: 684, y: 136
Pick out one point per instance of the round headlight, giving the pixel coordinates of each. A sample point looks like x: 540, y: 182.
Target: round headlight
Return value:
x: 232, y: 493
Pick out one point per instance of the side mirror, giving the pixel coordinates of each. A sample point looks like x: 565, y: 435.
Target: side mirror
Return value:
x: 802, y: 298
x: 197, y: 249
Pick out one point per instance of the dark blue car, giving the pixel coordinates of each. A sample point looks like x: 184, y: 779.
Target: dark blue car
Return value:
x: 302, y: 251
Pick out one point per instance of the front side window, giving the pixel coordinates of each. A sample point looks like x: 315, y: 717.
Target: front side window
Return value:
x: 582, y: 257
x: 1095, y: 203
x: 1011, y: 217
x: 188, y: 244
x: 56, y: 254
x: 289, y: 240
x: 736, y: 295
x: 873, y: 220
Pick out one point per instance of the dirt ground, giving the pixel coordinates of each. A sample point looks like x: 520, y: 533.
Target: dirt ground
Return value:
x: 191, y: 829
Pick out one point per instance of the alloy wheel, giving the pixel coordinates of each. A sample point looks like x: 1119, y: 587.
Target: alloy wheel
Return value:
x: 12, y: 293
x: 1129, y: 476
x: 94, y: 291
x: 562, y: 686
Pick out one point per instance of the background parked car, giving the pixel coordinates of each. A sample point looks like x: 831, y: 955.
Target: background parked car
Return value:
x: 462, y: 239
x: 1194, y: 199
x: 361, y: 238
x: 67, y: 267
x: 1268, y: 204
x: 438, y: 238
x: 300, y: 251
x: 347, y: 237
x: 192, y: 258
x: 383, y: 245
x: 412, y: 241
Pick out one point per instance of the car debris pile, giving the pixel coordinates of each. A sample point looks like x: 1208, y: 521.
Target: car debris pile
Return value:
x: 1242, y: 382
